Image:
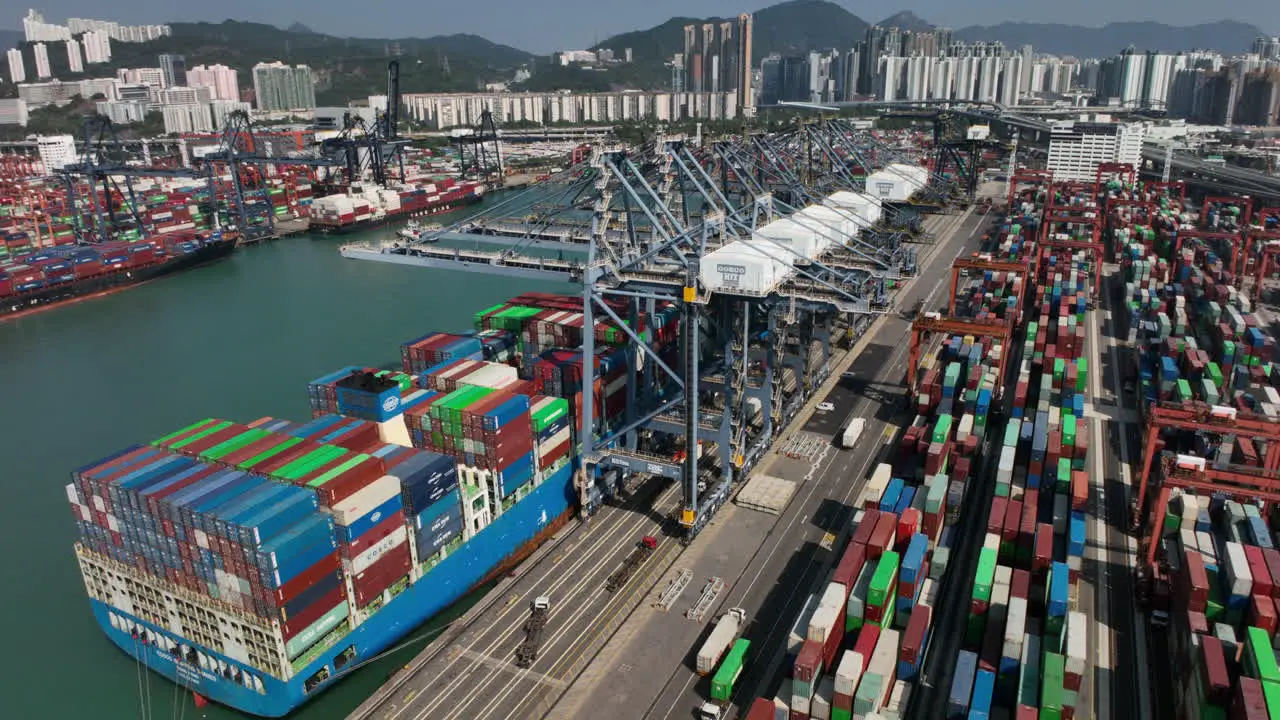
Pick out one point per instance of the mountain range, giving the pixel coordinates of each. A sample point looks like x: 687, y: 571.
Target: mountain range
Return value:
x: 353, y: 67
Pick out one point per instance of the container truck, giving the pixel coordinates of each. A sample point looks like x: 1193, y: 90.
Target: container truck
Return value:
x: 726, y: 677
x: 852, y: 432
x: 722, y: 636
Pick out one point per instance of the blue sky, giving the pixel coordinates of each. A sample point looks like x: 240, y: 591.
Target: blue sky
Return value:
x: 546, y: 25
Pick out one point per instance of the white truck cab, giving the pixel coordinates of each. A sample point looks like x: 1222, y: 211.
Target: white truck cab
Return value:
x: 708, y: 711
x: 542, y: 602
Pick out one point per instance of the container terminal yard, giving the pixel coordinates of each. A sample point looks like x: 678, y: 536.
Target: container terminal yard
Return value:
x: 890, y: 416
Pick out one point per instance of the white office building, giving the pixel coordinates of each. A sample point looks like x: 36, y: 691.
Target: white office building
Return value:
x: 1077, y: 148
x: 57, y: 151
x: 141, y: 76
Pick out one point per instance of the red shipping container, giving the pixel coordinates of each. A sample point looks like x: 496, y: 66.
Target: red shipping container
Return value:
x: 797, y: 715
x: 312, y: 613
x: 908, y: 525
x: 851, y: 562
x: 381, y: 575
x: 348, y: 483
x: 831, y: 648
x: 868, y: 636
x: 866, y: 528
x: 1213, y: 671
x: 1042, y: 557
x: 1249, y: 702
x: 883, y: 535
x: 279, y: 597
x: 1272, y: 558
x: 808, y: 663
x: 761, y: 709
x: 1079, y: 490
x: 1020, y: 584
x: 1262, y: 612
x: 995, y: 518
x: 913, y: 636
x: 1258, y: 569
x: 844, y: 702
x: 1196, y: 581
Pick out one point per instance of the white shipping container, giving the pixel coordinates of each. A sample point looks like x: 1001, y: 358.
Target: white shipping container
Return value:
x: 722, y: 635
x: 796, y: 637
x: 879, y: 481
x: 740, y: 268
x: 899, y: 696
x: 821, y: 624
x: 849, y: 672
x: 834, y: 596
x: 991, y: 541
x: 376, y: 551
x: 1204, y: 542
x: 1190, y: 511
x: 884, y: 662
x: 364, y: 500
x: 1077, y: 650
x: 1015, y: 621
x: 929, y: 593
x: 820, y: 709
x: 1239, y: 577
x: 857, y: 606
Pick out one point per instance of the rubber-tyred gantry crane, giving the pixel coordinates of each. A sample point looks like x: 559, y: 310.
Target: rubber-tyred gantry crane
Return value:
x: 996, y: 328
x: 1084, y: 214
x: 1238, y: 238
x: 1193, y: 473
x: 1202, y: 417
x: 1027, y: 180
x: 980, y: 263
x: 1262, y: 247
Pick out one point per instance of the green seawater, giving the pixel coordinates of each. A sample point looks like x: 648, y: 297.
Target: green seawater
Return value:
x: 239, y: 340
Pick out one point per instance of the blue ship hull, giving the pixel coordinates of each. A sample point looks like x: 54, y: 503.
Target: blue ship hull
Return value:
x: 535, y: 515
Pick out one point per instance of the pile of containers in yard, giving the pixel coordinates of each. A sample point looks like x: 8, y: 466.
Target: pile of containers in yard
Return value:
x: 897, y: 182
x: 1025, y: 656
x: 1196, y: 334
x: 863, y: 209
x: 741, y: 268
x: 858, y: 646
x: 307, y: 527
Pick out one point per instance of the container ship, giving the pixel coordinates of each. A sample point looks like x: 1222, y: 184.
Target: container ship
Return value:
x: 47, y: 277
x: 257, y: 564
x: 365, y: 205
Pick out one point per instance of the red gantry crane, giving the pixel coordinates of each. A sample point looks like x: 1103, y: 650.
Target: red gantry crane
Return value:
x: 1085, y: 215
x: 983, y: 263
x: 1262, y: 247
x: 1202, y: 417
x: 996, y: 328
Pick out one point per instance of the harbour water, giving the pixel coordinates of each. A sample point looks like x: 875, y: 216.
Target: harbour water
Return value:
x: 239, y: 340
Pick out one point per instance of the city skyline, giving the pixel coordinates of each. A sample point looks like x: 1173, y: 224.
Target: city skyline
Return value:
x: 546, y: 31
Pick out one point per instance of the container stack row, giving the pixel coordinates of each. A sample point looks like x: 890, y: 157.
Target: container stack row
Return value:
x: 434, y: 349
x: 859, y: 644
x: 1223, y: 619
x: 1025, y: 649
x: 1198, y: 339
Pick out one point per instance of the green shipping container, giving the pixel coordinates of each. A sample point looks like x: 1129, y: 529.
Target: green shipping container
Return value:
x: 986, y: 575
x: 340, y: 469
x: 942, y: 429
x: 269, y: 453
x: 727, y: 676
x: 203, y: 433
x: 1082, y: 374
x: 1051, y: 687
x: 1260, y: 658
x: 226, y: 447
x: 882, y: 581
x: 189, y: 428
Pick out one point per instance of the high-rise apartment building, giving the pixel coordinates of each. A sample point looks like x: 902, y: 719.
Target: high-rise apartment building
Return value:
x: 223, y: 80
x: 56, y: 151
x: 17, y: 69
x: 280, y: 87
x: 173, y: 70
x: 75, y: 61
x: 41, y: 52
x: 187, y: 118
x: 717, y: 58
x: 1077, y: 148
x: 97, y: 47
x: 35, y: 29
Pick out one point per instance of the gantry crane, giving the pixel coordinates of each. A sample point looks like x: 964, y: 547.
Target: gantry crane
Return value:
x: 1027, y: 180
x: 1202, y: 417
x: 995, y: 328
x: 983, y: 264
x: 1084, y: 215
x: 657, y: 213
x: 102, y: 160
x: 1262, y: 248
x: 1237, y: 238
x: 1194, y: 473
